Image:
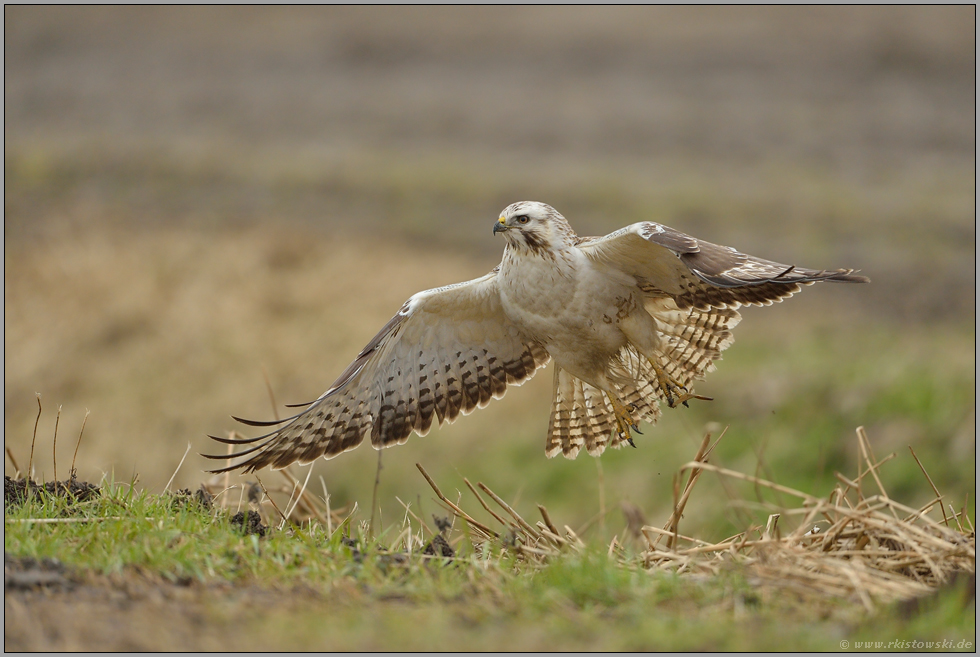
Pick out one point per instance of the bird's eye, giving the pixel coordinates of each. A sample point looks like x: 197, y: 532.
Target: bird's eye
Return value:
x: 523, y: 219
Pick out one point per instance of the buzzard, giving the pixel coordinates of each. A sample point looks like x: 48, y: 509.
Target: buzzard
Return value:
x: 629, y: 319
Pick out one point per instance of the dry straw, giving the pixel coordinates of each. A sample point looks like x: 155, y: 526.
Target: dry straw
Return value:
x: 856, y: 544
x: 852, y: 545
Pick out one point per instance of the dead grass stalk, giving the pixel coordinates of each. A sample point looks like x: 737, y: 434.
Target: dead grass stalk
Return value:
x: 873, y: 548
x: 853, y: 545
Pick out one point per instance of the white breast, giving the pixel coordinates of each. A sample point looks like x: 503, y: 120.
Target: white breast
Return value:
x: 567, y: 303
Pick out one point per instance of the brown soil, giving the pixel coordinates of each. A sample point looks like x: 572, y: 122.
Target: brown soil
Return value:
x: 16, y: 491
x: 202, y: 496
x: 250, y: 523
x: 49, y: 608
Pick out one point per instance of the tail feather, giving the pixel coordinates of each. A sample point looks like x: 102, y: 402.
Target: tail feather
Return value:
x: 600, y: 422
x: 582, y: 416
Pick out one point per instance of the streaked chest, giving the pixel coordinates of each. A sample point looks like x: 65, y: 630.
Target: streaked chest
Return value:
x: 552, y: 296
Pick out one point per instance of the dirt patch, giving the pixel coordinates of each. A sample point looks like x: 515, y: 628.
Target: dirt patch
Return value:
x: 201, y: 497
x: 50, y: 607
x: 27, y: 573
x: 250, y: 523
x: 439, y: 547
x: 17, y: 491
x: 130, y: 611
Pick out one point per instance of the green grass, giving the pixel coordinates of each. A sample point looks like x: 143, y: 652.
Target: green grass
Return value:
x: 317, y: 592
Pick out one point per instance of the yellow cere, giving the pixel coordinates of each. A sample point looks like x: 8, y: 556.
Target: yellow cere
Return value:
x: 502, y: 219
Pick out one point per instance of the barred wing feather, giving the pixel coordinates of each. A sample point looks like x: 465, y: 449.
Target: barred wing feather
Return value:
x: 447, y: 352
x: 700, y: 274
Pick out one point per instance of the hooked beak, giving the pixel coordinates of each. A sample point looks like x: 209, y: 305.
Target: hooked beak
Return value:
x: 499, y: 227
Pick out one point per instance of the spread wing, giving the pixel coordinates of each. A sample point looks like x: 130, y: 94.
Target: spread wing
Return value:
x: 448, y: 351
x: 692, y: 290
x: 699, y: 274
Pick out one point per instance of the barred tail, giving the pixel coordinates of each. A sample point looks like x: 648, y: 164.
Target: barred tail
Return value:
x: 581, y: 415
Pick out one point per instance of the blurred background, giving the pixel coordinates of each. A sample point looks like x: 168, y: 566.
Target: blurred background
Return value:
x: 200, y: 200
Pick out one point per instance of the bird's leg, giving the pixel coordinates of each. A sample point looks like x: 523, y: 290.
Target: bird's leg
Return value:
x: 642, y: 330
x: 624, y: 421
x: 673, y: 390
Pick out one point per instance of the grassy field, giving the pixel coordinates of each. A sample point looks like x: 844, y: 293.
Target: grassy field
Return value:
x: 204, y: 205
x: 125, y: 570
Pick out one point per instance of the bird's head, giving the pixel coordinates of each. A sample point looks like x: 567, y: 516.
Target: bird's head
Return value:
x: 533, y: 227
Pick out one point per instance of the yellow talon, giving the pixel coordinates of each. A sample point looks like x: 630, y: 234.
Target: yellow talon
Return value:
x: 670, y: 388
x: 624, y: 421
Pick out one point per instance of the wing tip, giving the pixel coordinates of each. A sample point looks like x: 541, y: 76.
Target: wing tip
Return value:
x: 236, y: 441
x: 260, y: 423
x: 848, y: 276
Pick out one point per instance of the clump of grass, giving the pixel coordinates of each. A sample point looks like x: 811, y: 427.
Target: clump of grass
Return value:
x: 852, y: 546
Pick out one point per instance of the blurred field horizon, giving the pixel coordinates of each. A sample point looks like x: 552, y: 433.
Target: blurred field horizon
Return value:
x: 196, y: 199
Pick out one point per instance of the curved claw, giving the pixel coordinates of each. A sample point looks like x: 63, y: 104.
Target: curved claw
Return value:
x: 685, y: 399
x: 673, y: 391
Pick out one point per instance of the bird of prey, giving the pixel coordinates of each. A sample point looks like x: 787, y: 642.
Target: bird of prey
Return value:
x: 629, y: 319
